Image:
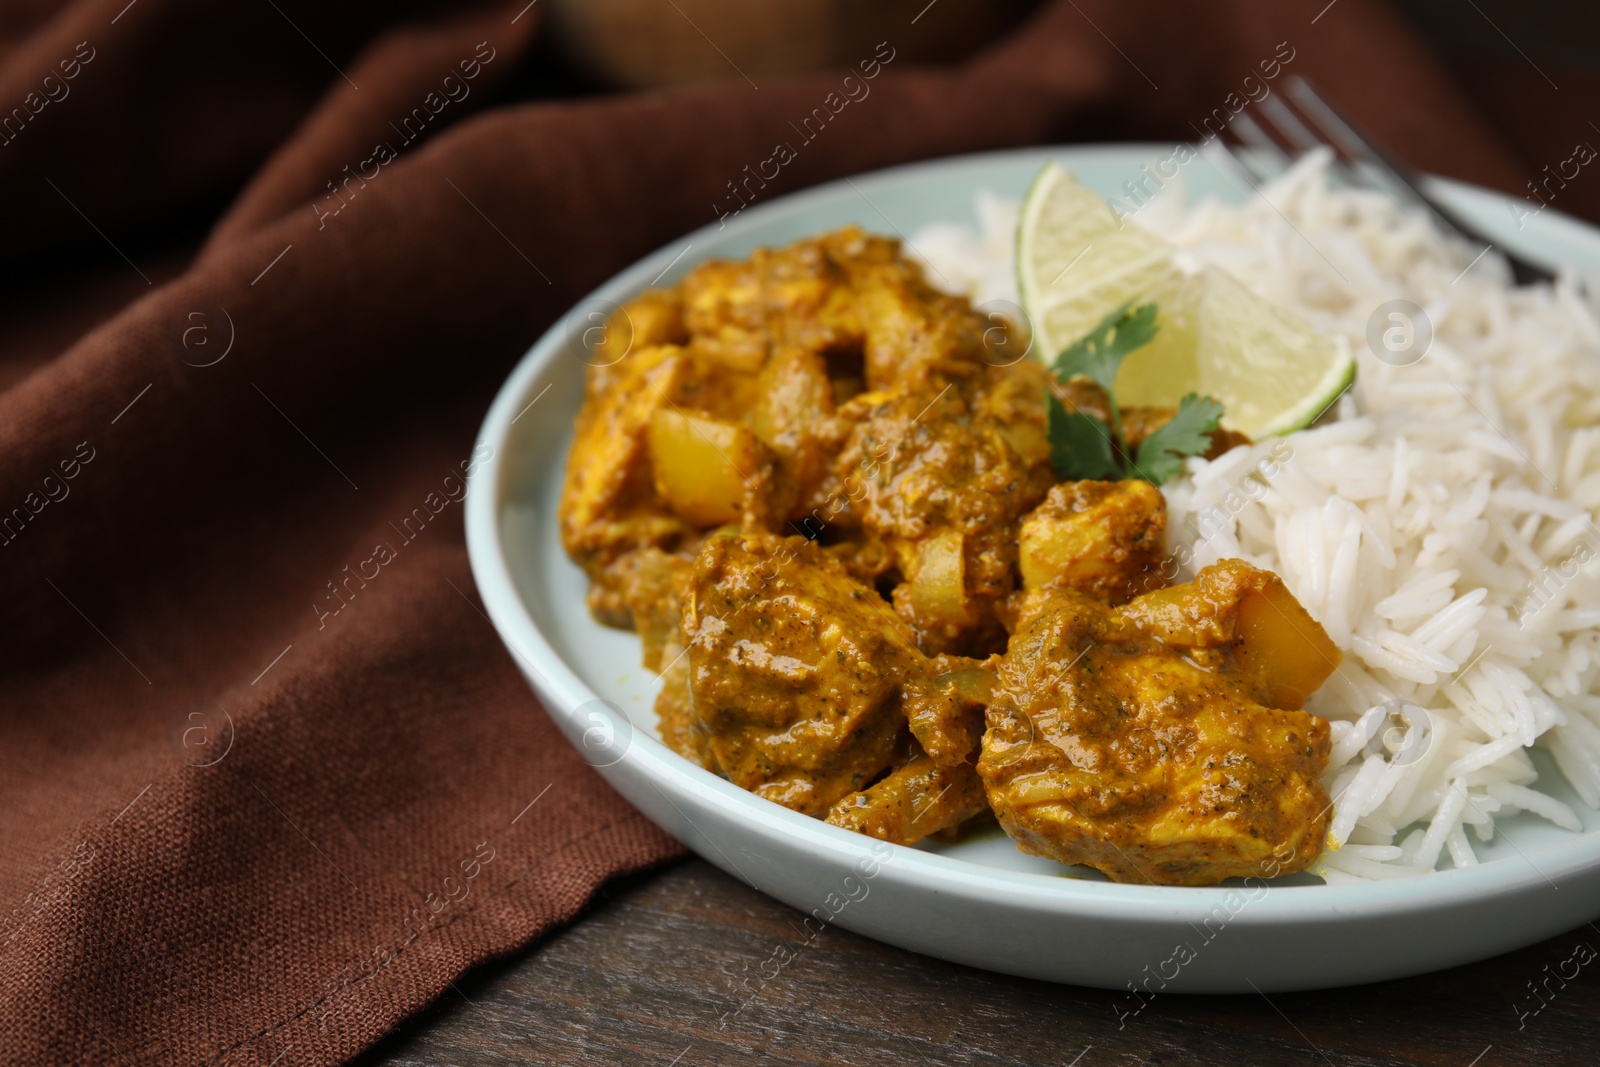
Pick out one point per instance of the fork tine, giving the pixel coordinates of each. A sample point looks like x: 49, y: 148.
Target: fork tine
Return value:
x: 1264, y: 149
x: 1290, y: 127
x: 1395, y: 175
x: 1361, y: 150
x: 1227, y: 158
x: 1288, y: 124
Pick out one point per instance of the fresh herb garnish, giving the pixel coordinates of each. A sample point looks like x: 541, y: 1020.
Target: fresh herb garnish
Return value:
x: 1082, y: 446
x: 1187, y: 433
x: 1099, y: 354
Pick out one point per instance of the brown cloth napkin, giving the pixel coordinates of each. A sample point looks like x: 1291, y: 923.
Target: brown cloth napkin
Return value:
x: 238, y: 826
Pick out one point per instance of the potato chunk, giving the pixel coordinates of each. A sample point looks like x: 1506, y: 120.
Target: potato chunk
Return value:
x: 1282, y: 645
x: 1249, y: 614
x: 704, y: 467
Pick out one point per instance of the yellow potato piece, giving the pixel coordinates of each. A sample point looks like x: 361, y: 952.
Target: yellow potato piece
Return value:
x: 1272, y: 638
x: 1283, y: 646
x: 703, y: 466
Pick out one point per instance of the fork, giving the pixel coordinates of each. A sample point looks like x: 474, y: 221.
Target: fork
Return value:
x: 1261, y: 147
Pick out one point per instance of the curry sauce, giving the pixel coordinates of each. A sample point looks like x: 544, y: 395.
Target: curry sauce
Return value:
x: 830, y: 513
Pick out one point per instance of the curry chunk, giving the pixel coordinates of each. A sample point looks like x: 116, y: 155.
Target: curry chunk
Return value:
x: 797, y: 685
x: 918, y: 798
x: 609, y: 506
x: 793, y: 415
x: 912, y: 331
x: 651, y: 319
x: 647, y: 582
x: 794, y: 670
x: 934, y: 786
x: 1101, y: 538
x: 945, y: 711
x: 1243, y: 620
x: 942, y: 487
x: 1107, y: 746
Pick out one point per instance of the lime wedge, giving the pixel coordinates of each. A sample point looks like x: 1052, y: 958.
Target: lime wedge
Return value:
x: 1269, y: 370
x: 1272, y: 373
x: 1077, y: 261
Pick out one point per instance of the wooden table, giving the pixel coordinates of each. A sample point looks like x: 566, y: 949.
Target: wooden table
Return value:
x: 657, y: 973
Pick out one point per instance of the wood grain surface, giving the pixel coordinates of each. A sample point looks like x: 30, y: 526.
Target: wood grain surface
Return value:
x: 668, y: 969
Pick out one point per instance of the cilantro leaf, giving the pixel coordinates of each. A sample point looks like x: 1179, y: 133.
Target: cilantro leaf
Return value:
x: 1083, y: 446
x: 1080, y: 444
x: 1100, y: 352
x: 1187, y: 433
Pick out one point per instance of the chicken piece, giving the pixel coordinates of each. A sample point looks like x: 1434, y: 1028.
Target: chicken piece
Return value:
x: 793, y: 415
x: 797, y: 685
x: 653, y: 318
x: 861, y: 552
x: 1110, y: 743
x: 934, y: 786
x: 647, y: 581
x: 943, y: 490
x: 801, y: 297
x: 794, y: 670
x: 725, y: 314
x: 1012, y: 398
x: 913, y: 332
x: 713, y: 386
x: 675, y: 719
x: 918, y: 798
x: 1104, y: 539
x: 609, y: 505
x: 810, y: 299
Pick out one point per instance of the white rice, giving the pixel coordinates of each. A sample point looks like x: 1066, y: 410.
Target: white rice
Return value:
x: 1440, y: 527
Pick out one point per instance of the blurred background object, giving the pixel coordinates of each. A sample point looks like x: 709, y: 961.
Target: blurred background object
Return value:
x: 638, y: 44
x: 1564, y: 34
x: 1532, y: 67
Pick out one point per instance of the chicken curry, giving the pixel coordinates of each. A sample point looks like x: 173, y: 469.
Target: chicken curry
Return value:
x: 828, y: 509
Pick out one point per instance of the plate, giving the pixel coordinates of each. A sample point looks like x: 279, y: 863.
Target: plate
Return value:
x: 981, y: 902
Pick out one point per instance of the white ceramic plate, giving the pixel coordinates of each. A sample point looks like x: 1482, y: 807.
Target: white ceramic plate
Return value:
x: 981, y: 902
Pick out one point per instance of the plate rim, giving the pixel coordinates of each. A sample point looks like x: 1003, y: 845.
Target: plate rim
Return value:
x: 562, y: 692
